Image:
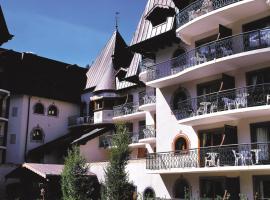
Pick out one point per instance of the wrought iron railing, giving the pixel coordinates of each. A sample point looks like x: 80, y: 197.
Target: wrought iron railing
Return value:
x: 125, y: 109
x: 232, y: 45
x: 238, y: 98
x: 77, y: 120
x: 199, y: 8
x: 106, y: 140
x: 147, y: 97
x: 147, y: 131
x: 215, y: 156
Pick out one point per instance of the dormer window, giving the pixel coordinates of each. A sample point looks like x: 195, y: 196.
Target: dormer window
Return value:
x: 159, y: 14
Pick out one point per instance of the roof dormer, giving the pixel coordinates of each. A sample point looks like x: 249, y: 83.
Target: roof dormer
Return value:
x: 159, y: 14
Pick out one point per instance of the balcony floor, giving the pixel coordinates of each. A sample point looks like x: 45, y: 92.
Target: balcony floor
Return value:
x: 148, y: 107
x: 227, y: 115
x: 226, y: 15
x: 136, y: 115
x: 217, y: 66
x: 252, y: 168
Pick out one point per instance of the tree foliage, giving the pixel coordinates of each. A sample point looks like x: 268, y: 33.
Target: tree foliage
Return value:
x: 117, y: 184
x: 75, y: 182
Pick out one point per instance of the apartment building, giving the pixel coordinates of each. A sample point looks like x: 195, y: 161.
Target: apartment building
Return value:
x: 202, y: 117
x: 193, y: 89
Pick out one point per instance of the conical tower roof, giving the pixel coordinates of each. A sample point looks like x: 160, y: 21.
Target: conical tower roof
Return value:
x: 115, y: 55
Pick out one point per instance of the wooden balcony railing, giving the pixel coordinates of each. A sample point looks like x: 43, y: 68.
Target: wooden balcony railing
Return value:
x: 77, y: 120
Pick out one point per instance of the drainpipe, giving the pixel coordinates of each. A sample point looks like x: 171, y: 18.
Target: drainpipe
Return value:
x: 27, y: 129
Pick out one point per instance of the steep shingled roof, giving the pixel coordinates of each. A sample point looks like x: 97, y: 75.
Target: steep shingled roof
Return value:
x: 145, y: 30
x: 115, y: 54
x: 4, y: 33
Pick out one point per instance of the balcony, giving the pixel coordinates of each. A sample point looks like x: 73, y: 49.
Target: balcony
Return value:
x: 236, y: 157
x: 146, y: 135
x: 251, y: 101
x: 205, y: 15
x: 147, y: 101
x: 75, y: 121
x: 4, y: 95
x: 216, y: 57
x: 127, y: 112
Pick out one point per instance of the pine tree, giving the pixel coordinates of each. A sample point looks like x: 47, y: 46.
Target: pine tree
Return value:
x: 75, y: 182
x: 117, y: 186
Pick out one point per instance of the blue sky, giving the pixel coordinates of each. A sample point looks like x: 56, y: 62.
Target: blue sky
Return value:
x: 68, y: 30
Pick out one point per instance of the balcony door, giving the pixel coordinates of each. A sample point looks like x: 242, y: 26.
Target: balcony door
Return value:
x: 260, y: 134
x: 261, y: 185
x: 214, y: 187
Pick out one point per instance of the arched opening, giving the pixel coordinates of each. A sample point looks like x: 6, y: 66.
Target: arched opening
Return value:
x: 39, y: 108
x: 177, y: 59
x: 180, y: 96
x: 52, y: 110
x: 37, y: 135
x: 149, y: 194
x: 181, y: 189
x: 180, y: 144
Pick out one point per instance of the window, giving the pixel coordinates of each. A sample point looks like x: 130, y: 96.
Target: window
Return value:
x: 39, y: 108
x: 181, y: 189
x: 149, y: 194
x: 37, y: 135
x: 98, y: 104
x: 212, y: 187
x: 180, y: 144
x: 261, y: 186
x: 181, y: 96
x: 12, y: 139
x: 52, y: 110
x: 14, y: 111
x: 257, y: 77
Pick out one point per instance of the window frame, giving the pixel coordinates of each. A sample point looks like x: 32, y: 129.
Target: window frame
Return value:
x: 42, y: 133
x: 57, y: 110
x: 34, y: 108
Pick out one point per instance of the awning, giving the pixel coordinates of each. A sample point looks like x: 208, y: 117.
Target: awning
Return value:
x: 91, y: 135
x: 42, y: 170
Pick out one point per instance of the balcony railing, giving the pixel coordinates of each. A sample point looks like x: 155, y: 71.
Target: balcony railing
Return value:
x: 77, y: 120
x: 216, y: 156
x: 148, y: 97
x: 238, y: 98
x: 148, y: 131
x: 232, y: 45
x: 125, y: 109
x: 199, y: 8
x: 106, y: 140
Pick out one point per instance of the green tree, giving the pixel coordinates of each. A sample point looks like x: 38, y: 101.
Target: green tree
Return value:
x: 75, y: 182
x: 116, y: 185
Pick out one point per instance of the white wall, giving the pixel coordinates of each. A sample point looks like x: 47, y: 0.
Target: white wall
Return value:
x: 53, y: 127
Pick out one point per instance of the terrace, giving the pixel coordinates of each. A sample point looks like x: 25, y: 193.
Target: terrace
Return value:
x: 215, y: 57
x: 247, y: 101
x: 226, y: 157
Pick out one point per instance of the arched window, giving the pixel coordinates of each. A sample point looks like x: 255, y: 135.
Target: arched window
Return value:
x: 181, y: 189
x: 177, y: 59
x: 180, y: 96
x: 180, y: 144
x: 39, y: 108
x: 149, y: 194
x: 52, y: 110
x: 37, y: 135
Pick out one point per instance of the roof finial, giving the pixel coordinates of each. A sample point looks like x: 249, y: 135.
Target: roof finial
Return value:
x: 116, y: 20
